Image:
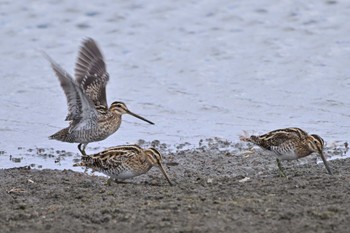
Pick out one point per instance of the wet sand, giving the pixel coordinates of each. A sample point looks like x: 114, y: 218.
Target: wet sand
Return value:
x: 216, y: 190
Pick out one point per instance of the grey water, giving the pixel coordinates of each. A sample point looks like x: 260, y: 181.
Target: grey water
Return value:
x: 198, y: 69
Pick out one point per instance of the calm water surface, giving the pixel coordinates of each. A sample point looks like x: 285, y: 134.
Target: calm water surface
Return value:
x: 198, y: 69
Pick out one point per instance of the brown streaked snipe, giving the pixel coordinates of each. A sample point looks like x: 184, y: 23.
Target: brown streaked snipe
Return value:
x: 289, y: 144
x: 90, y: 118
x: 124, y: 162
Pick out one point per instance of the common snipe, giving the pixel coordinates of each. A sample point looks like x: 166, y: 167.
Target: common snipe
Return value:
x: 124, y: 162
x: 289, y: 144
x: 90, y: 118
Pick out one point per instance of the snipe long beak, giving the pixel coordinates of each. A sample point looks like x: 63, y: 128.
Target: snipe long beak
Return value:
x: 325, y: 162
x: 164, y: 173
x: 140, y: 117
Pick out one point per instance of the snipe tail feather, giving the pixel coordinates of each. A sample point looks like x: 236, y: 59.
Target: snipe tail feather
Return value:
x: 245, y: 137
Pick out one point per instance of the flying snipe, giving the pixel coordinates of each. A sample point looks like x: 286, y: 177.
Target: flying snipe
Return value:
x: 124, y: 162
x: 289, y: 144
x: 90, y: 118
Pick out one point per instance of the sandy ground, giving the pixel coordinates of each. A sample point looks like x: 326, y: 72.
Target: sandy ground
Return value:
x: 216, y: 191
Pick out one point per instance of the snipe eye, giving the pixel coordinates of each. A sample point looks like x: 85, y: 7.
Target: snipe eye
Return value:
x: 318, y: 142
x: 120, y: 105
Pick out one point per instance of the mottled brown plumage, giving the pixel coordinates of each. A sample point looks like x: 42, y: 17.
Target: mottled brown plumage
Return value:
x: 90, y: 117
x: 124, y: 162
x: 289, y: 144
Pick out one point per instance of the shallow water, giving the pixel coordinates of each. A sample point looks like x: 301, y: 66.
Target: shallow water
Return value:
x: 198, y: 69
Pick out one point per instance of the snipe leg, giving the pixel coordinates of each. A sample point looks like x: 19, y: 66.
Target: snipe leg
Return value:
x: 82, y: 150
x: 280, y: 168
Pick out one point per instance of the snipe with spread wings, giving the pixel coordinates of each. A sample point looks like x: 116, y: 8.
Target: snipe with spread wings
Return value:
x: 90, y: 117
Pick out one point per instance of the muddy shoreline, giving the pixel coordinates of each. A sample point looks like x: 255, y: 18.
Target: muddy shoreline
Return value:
x: 216, y: 190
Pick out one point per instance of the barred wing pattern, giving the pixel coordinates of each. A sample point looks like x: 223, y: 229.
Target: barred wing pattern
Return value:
x: 113, y: 158
x: 281, y: 136
x: 91, y: 74
x: 80, y: 108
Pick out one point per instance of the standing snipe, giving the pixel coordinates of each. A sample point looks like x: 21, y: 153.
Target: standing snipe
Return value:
x: 90, y: 118
x: 123, y: 162
x: 289, y: 144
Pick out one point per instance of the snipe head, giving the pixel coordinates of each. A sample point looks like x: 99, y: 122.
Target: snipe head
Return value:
x: 316, y: 144
x: 155, y: 158
x: 121, y: 109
